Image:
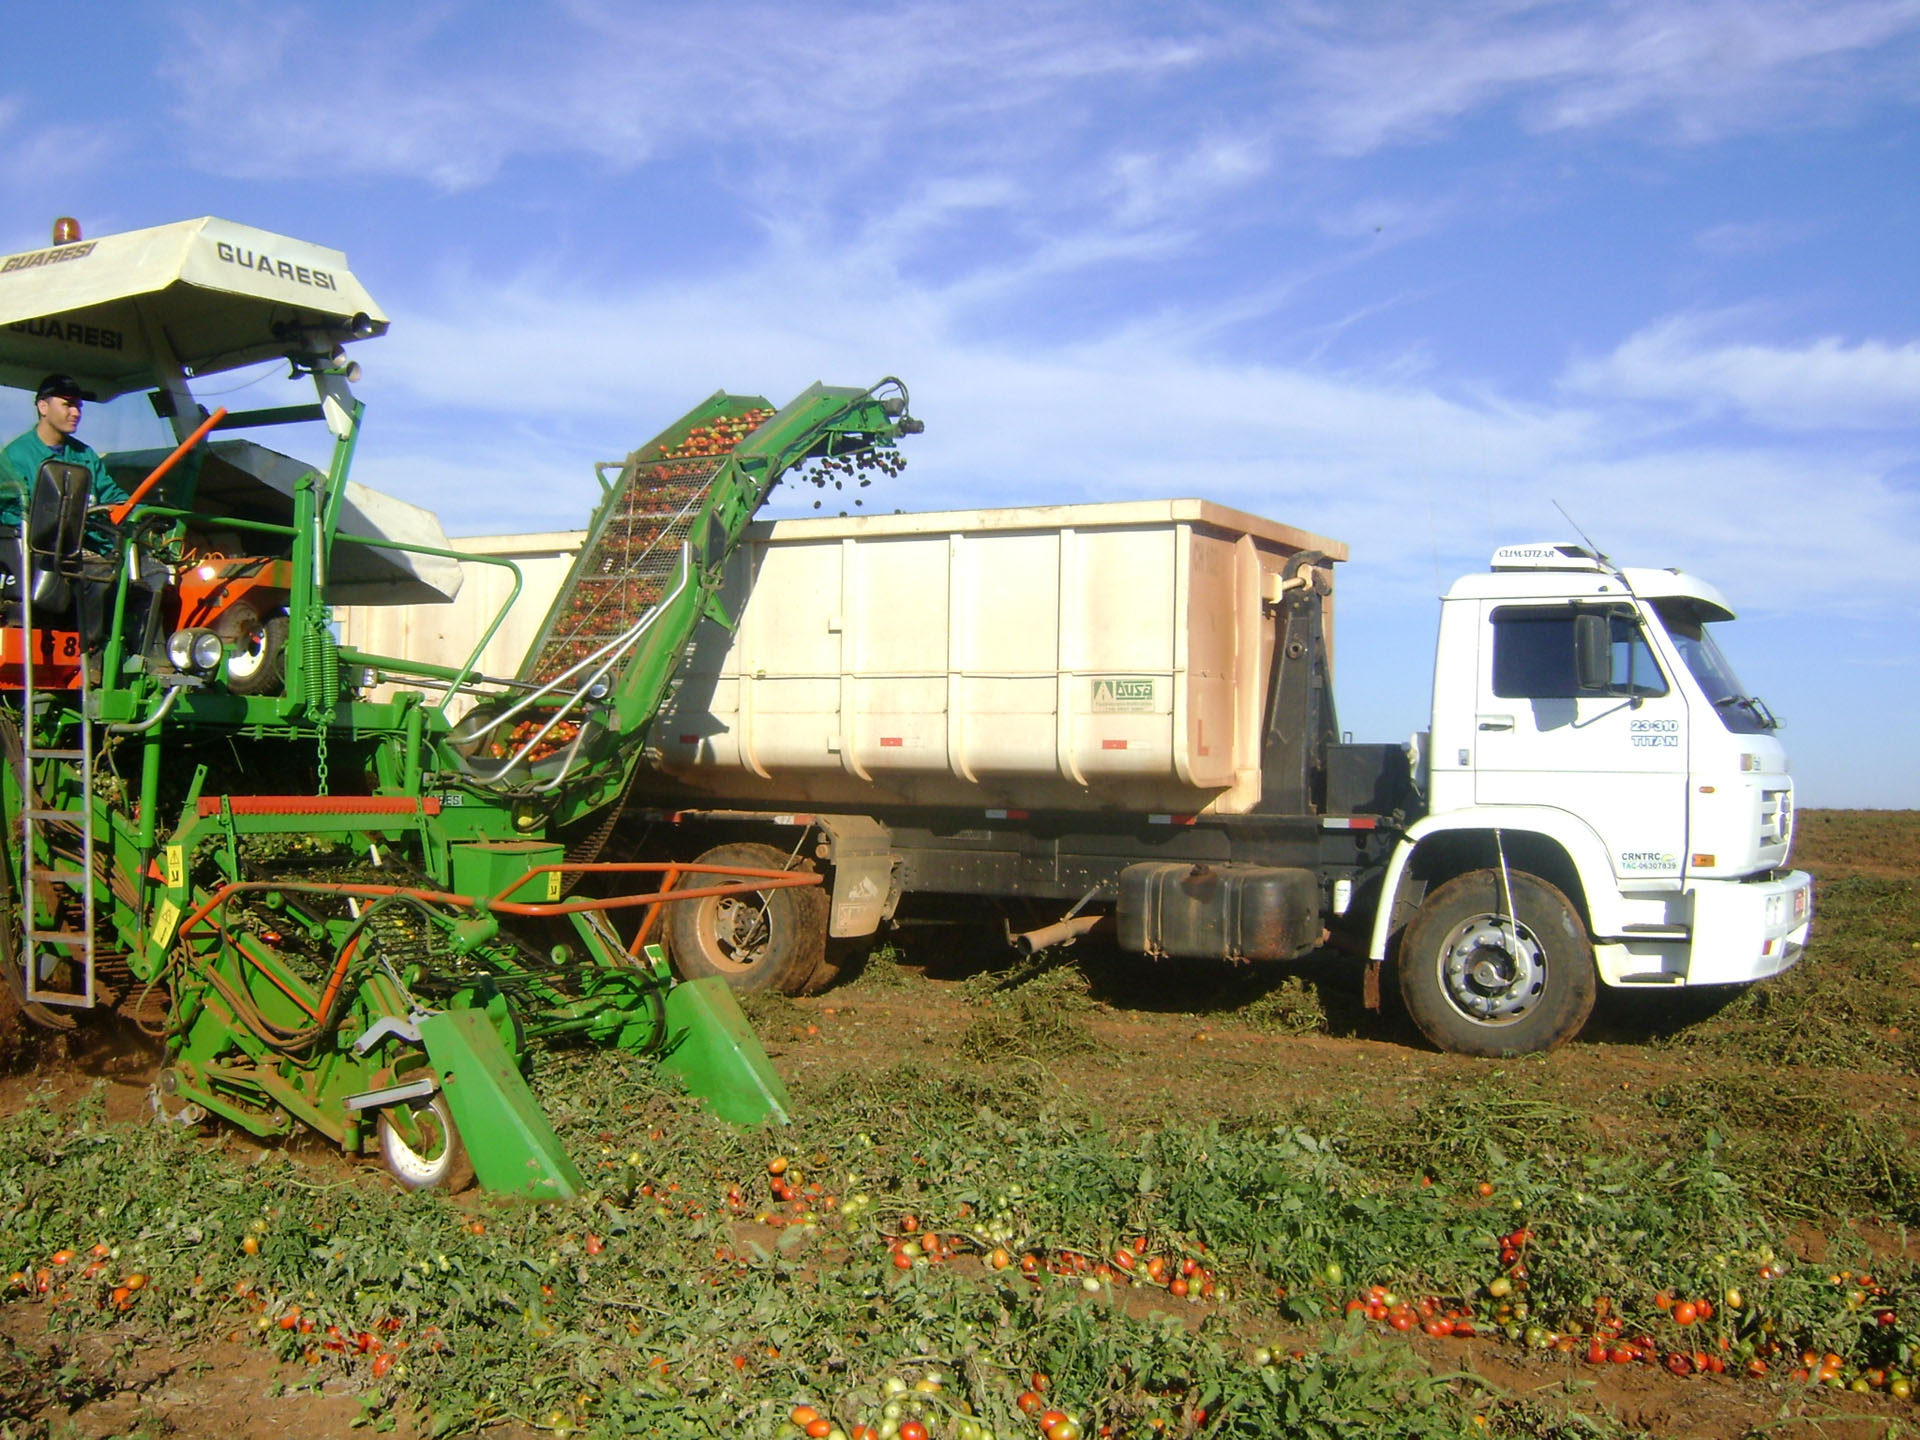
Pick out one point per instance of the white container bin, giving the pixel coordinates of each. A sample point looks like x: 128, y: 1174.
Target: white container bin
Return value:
x: 1061, y: 657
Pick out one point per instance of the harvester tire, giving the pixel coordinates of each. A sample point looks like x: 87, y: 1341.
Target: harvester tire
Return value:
x: 439, y: 1162
x: 256, y: 650
x: 769, y: 940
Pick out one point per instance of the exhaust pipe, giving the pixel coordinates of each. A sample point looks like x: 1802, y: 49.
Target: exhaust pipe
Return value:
x: 1065, y: 932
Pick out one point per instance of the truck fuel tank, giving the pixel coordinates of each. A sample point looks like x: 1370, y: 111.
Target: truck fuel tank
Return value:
x: 1219, y: 912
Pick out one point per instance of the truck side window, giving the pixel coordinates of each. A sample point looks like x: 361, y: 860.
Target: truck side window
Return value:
x: 1533, y: 656
x: 1635, y: 671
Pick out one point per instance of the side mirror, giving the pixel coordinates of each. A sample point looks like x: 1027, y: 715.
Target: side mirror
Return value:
x: 1593, y: 651
x: 57, y: 511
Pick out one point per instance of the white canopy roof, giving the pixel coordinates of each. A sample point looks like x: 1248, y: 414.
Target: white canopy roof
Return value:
x: 208, y: 293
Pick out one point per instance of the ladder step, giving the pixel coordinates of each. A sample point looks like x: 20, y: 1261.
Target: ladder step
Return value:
x: 54, y: 814
x: 58, y: 997
x: 34, y: 753
x: 64, y: 876
x: 60, y: 937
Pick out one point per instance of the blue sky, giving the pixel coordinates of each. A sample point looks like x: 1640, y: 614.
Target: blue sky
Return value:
x: 1403, y: 274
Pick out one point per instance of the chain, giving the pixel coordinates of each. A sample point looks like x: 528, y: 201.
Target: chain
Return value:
x: 320, y: 752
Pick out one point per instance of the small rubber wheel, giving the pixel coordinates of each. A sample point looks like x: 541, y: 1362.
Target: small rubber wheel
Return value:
x: 763, y: 940
x: 1479, y: 978
x: 431, y: 1157
x: 256, y: 650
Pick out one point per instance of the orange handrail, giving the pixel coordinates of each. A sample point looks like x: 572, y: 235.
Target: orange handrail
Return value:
x: 125, y: 507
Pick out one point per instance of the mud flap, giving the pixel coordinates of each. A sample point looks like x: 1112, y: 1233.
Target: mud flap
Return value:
x: 711, y: 1047
x: 507, y: 1136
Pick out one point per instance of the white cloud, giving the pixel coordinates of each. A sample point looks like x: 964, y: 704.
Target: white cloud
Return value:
x: 1702, y: 70
x: 830, y: 89
x: 1421, y: 481
x: 1826, y: 383
x: 1150, y: 98
x: 1751, y: 237
x: 41, y: 162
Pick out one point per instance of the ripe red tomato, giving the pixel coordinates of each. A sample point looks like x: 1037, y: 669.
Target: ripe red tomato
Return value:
x: 912, y: 1430
x: 1685, y: 1313
x: 1029, y: 1401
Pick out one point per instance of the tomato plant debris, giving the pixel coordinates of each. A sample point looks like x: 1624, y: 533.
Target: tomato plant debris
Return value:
x: 1665, y: 1229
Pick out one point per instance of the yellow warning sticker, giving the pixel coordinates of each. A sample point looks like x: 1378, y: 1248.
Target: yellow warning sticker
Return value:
x: 553, y: 885
x: 164, y: 920
x: 176, y: 866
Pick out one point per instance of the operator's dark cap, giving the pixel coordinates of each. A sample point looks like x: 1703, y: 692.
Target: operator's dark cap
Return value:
x: 65, y: 386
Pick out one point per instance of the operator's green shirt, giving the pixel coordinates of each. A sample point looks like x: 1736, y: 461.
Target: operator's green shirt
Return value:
x: 20, y: 462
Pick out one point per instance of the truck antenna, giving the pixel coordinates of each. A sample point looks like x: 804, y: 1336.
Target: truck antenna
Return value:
x: 1598, y: 553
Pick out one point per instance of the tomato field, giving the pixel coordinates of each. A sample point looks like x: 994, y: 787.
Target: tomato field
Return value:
x: 1080, y: 1195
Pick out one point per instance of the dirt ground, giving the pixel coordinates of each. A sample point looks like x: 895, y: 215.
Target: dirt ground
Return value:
x: 1168, y: 1046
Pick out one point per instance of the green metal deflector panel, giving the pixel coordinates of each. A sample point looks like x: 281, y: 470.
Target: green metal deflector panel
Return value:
x: 712, y: 1048
x: 512, y: 1146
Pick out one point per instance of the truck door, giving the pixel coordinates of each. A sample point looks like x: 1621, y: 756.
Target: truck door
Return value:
x: 1615, y: 755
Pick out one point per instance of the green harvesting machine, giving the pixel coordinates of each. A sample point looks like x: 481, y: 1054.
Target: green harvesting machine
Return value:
x: 357, y: 914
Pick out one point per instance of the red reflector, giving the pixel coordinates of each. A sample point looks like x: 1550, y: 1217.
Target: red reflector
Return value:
x: 1352, y: 822
x: 1170, y: 819
x: 1006, y: 814
x: 891, y: 742
x: 1113, y: 744
x: 689, y: 739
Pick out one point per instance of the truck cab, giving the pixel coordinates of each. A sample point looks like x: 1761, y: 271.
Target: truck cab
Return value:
x: 1589, y: 734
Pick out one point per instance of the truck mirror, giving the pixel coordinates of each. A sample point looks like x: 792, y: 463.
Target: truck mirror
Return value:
x: 1593, y: 650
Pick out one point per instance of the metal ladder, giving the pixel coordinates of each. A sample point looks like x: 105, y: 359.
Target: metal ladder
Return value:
x: 41, y: 950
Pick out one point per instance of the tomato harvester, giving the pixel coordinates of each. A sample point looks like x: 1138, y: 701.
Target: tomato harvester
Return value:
x: 351, y: 913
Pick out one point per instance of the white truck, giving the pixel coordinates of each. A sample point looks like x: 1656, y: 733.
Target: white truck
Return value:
x: 1127, y: 709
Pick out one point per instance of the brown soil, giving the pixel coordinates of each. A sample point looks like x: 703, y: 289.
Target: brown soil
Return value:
x: 1166, y: 1047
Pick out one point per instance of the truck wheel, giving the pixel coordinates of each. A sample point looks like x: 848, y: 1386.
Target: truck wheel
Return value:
x: 1478, y: 981
x: 772, y: 940
x: 430, y: 1156
x: 256, y: 650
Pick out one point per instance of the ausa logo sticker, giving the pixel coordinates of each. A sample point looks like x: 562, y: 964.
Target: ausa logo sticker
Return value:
x: 1121, y: 695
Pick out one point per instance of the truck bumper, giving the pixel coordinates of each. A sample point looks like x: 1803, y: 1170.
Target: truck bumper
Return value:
x: 1748, y: 930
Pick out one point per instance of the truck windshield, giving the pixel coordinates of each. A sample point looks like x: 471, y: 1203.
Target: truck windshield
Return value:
x: 1740, y: 712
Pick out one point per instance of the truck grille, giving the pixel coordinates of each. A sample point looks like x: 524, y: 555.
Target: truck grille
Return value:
x: 1776, y: 817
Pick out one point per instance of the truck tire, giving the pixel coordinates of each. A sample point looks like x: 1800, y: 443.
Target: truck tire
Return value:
x: 772, y: 940
x: 1480, y: 982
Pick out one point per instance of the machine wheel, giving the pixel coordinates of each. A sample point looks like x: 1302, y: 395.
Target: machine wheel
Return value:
x: 256, y: 650
x: 434, y: 1158
x: 1478, y: 981
x: 772, y: 940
